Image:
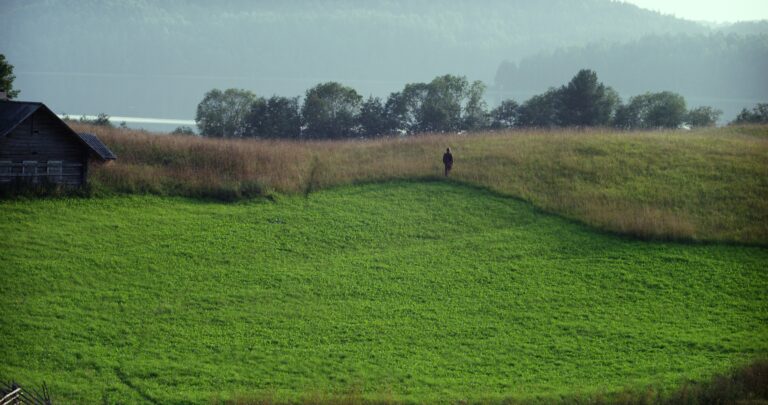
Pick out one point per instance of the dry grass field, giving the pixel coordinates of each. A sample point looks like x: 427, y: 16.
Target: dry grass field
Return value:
x: 706, y: 185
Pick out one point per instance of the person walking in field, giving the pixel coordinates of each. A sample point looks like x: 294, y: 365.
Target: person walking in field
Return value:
x: 447, y: 161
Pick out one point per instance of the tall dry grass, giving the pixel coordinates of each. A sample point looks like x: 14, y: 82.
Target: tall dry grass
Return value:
x: 708, y: 185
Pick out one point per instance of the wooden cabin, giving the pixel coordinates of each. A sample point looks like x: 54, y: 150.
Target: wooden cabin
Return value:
x: 37, y: 147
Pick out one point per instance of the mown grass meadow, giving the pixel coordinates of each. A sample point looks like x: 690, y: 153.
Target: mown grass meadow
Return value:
x: 405, y: 292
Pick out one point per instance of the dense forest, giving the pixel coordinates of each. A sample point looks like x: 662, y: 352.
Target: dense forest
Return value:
x: 394, y: 39
x: 720, y: 69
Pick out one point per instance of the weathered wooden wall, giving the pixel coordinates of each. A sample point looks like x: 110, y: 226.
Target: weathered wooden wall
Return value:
x: 41, y: 139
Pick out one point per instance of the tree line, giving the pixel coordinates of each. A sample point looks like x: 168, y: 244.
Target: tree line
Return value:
x: 446, y: 104
x: 332, y: 110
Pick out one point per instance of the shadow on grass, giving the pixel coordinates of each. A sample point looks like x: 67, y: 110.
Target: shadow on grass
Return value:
x: 744, y: 385
x: 22, y: 190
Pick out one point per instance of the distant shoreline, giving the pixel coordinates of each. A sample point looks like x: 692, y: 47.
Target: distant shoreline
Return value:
x: 133, y: 120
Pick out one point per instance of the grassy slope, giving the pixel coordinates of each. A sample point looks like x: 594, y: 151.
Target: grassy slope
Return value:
x: 704, y: 185
x: 404, y: 291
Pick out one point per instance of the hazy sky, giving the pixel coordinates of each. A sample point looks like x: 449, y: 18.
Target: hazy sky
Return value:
x: 709, y: 10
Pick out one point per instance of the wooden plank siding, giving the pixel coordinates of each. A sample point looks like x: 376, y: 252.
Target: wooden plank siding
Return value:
x: 69, y: 174
x: 40, y: 138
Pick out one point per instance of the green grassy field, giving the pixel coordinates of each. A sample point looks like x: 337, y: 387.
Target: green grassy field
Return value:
x: 399, y: 291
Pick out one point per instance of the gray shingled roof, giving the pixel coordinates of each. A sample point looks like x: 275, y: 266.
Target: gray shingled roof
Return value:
x: 97, y: 146
x: 13, y: 113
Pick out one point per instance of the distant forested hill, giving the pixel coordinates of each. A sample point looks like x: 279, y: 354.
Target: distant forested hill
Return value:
x: 140, y: 57
x: 724, y: 70
x: 746, y: 28
x: 400, y: 39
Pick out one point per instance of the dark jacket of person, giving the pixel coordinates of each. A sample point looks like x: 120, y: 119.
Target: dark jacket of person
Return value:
x: 448, y: 159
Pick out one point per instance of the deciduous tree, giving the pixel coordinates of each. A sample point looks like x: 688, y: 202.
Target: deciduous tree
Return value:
x: 442, y: 107
x: 7, y: 78
x: 373, y: 118
x: 703, y: 117
x: 652, y: 110
x: 540, y: 110
x: 405, y: 108
x: 758, y: 115
x: 225, y: 113
x: 330, y: 111
x: 277, y: 117
x: 476, y: 115
x: 505, y: 115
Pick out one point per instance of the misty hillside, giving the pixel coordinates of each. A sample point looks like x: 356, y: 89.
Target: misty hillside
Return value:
x: 352, y: 39
x: 135, y: 57
x: 746, y: 28
x: 723, y: 70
